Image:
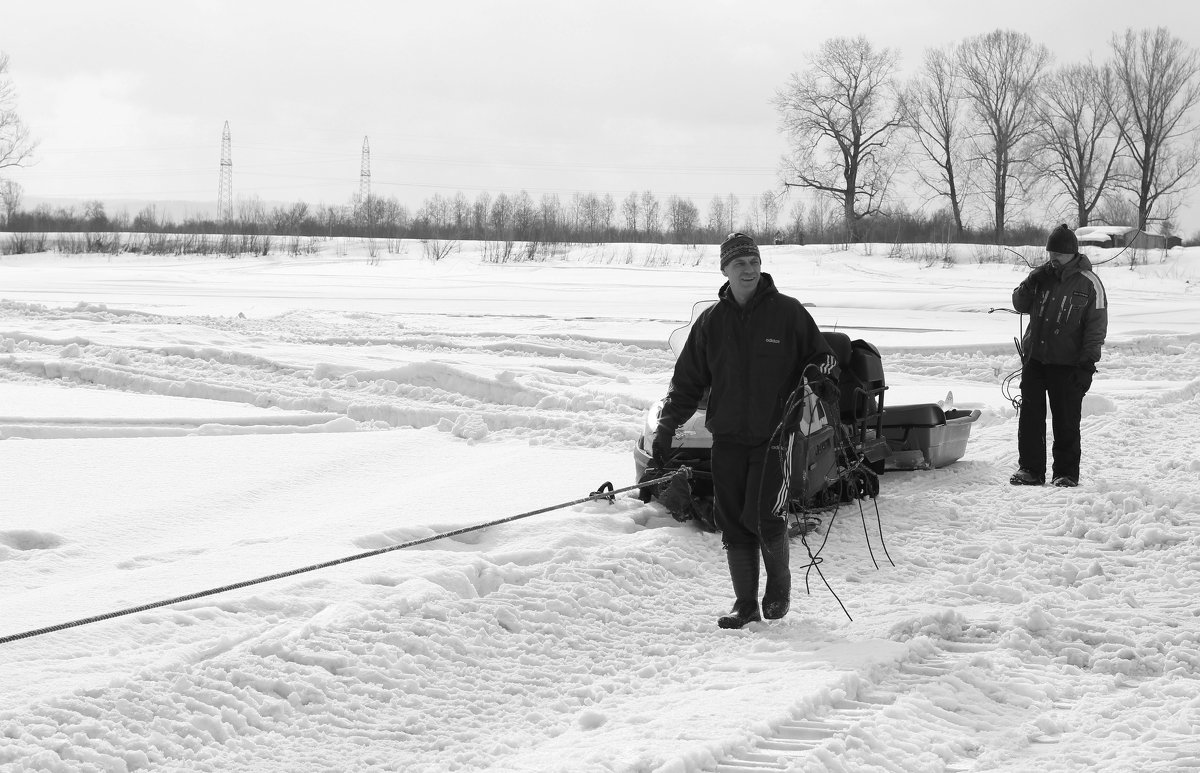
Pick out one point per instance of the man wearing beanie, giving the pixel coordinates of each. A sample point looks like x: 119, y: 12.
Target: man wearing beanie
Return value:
x: 749, y: 349
x: 1068, y: 320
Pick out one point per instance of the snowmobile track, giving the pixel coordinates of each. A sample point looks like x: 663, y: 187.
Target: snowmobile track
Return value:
x: 898, y: 690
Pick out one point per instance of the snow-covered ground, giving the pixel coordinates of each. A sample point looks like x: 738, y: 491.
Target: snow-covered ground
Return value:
x: 173, y: 425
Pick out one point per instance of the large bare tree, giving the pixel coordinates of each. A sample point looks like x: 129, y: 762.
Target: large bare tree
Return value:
x: 1157, y: 79
x: 934, y: 114
x: 1076, y: 141
x: 16, y: 144
x: 841, y: 116
x: 1001, y: 74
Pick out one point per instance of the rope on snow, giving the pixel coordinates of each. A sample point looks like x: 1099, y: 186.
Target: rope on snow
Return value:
x: 606, y: 491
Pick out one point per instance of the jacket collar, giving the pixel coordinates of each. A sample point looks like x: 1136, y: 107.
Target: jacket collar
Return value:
x: 1075, y: 265
x: 766, y: 286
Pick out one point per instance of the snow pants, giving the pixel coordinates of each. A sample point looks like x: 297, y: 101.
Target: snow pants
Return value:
x: 746, y: 480
x: 1064, y: 386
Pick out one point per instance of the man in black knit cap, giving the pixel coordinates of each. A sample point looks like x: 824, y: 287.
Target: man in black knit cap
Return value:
x: 1068, y: 320
x: 751, y: 349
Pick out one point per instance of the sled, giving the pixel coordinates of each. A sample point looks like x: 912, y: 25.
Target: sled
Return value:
x: 925, y: 436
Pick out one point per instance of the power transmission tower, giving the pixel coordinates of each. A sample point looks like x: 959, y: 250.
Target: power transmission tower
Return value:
x: 225, y: 191
x: 364, y: 201
x: 364, y: 182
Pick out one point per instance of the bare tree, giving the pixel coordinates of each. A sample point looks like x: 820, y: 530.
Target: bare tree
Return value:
x: 934, y: 114
x: 631, y: 207
x: 94, y: 214
x: 716, y: 223
x: 1001, y: 74
x: 840, y: 116
x: 252, y: 210
x: 460, y: 213
x: 1076, y: 143
x: 768, y: 202
x: 651, y: 213
x: 607, y: 211
x: 683, y: 219
x: 795, y: 220
x: 551, y: 214
x: 10, y: 198
x: 524, y: 215
x: 1157, y: 88
x: 479, y: 214
x: 500, y: 215
x: 16, y: 146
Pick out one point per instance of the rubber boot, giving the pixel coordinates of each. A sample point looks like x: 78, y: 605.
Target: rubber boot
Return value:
x: 778, y: 596
x: 743, y: 571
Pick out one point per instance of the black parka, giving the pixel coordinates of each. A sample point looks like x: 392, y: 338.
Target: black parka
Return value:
x: 752, y: 357
x: 1068, y: 313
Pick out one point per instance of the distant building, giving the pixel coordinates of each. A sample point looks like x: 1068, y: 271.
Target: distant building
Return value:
x: 1125, y: 236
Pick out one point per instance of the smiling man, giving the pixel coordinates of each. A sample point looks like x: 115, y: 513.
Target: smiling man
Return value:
x: 750, y: 350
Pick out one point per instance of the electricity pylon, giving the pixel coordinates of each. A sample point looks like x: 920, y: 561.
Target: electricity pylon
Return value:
x: 225, y: 191
x: 364, y: 182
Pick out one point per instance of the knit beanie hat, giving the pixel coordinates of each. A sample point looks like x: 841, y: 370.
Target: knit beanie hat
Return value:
x: 1062, y: 240
x: 735, y: 246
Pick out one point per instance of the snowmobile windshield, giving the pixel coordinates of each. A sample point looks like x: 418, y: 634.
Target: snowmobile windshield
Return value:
x: 679, y: 335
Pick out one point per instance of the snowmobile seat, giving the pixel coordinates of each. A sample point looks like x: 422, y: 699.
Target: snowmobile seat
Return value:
x: 846, y: 380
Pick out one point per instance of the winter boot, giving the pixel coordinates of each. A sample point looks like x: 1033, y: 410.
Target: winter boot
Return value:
x: 777, y: 598
x: 743, y: 571
x: 1023, y: 477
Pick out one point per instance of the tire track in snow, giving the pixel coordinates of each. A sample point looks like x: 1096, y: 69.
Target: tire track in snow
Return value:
x: 905, y: 717
x: 553, y: 388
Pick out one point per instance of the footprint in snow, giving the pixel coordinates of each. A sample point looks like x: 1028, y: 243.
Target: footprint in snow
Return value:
x: 27, y: 539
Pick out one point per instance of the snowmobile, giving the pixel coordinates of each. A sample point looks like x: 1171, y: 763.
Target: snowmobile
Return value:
x: 840, y: 435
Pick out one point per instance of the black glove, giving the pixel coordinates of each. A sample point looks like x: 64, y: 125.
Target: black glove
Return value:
x: 1043, y: 275
x: 660, y: 450
x: 827, y: 389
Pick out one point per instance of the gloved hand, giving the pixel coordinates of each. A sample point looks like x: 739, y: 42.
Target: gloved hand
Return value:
x: 1044, y: 275
x: 827, y: 389
x: 660, y: 449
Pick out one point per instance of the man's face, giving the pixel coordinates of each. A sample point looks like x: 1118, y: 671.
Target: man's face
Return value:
x: 743, y: 273
x: 1061, y: 258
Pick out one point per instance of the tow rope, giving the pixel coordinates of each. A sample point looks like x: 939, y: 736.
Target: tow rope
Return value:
x: 605, y: 491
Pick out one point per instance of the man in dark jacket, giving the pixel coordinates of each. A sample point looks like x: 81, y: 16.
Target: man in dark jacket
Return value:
x: 1068, y: 320
x: 749, y: 349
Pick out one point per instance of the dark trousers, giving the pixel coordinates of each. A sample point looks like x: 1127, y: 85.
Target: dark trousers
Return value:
x: 746, y: 480
x: 1064, y: 386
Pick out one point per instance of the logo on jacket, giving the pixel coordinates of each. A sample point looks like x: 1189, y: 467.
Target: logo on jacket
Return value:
x: 772, y: 340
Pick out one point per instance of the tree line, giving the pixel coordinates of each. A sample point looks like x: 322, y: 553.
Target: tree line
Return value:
x: 588, y: 218
x: 993, y: 139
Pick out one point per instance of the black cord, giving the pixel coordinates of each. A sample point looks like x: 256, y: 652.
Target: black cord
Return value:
x: 606, y: 492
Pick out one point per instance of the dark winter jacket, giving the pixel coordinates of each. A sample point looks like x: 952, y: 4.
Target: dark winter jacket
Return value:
x: 752, y: 358
x: 1068, y: 313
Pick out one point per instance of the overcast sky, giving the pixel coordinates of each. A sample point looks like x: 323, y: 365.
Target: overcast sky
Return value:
x: 128, y: 99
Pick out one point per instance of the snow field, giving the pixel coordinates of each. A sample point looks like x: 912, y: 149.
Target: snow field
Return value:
x: 155, y: 445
